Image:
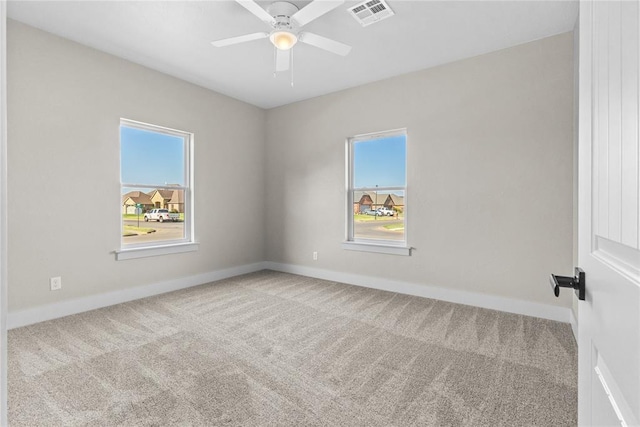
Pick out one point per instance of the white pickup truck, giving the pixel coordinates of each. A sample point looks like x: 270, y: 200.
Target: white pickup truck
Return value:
x: 161, y: 215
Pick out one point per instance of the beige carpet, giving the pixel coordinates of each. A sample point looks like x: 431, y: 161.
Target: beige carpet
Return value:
x: 278, y: 349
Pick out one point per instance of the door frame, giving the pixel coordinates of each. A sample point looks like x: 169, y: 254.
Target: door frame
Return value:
x: 585, y: 122
x: 3, y: 213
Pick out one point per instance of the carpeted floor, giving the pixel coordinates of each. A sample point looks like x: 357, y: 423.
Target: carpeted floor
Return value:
x: 271, y: 348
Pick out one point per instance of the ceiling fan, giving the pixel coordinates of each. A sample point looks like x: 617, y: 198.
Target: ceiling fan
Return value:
x: 286, y: 20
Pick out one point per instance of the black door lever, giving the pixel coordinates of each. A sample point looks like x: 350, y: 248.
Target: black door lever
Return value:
x: 577, y: 283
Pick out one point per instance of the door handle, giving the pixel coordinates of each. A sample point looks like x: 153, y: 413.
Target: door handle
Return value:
x: 577, y: 283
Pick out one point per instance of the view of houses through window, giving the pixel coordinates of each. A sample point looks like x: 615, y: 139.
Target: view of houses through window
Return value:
x: 377, y: 184
x: 154, y: 165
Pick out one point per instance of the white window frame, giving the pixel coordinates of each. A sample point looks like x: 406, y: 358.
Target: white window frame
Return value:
x: 164, y: 247
x: 393, y: 247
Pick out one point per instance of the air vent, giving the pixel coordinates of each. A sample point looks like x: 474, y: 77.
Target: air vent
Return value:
x: 370, y: 12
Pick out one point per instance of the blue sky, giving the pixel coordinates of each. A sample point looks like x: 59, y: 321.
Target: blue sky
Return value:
x: 380, y: 162
x: 150, y: 158
x: 158, y: 159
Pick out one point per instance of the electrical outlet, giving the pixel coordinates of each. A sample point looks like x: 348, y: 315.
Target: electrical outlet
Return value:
x: 55, y: 283
x: 315, y: 256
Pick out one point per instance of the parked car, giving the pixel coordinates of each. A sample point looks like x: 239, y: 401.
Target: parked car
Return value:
x: 161, y: 215
x: 386, y: 212
x: 372, y: 212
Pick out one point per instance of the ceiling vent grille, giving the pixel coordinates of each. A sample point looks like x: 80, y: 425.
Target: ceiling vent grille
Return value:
x: 371, y: 11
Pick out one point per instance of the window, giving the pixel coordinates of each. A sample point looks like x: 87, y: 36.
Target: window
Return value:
x: 155, y: 183
x: 377, y: 192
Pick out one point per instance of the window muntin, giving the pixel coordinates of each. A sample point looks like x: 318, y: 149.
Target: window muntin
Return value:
x: 377, y: 188
x: 155, y: 173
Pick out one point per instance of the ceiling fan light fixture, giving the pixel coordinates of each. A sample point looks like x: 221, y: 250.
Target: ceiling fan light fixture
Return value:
x: 283, y: 40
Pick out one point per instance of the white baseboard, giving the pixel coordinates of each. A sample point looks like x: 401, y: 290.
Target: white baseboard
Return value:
x: 80, y: 305
x: 574, y: 325
x: 510, y: 305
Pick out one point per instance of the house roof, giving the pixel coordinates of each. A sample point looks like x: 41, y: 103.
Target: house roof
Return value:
x: 165, y: 194
x: 396, y: 200
x: 381, y: 197
x: 358, y: 195
x: 137, y: 197
x: 177, y: 196
x: 378, y: 198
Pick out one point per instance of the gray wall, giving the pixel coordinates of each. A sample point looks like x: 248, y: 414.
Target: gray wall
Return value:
x: 489, y: 173
x: 489, y: 189
x: 64, y: 105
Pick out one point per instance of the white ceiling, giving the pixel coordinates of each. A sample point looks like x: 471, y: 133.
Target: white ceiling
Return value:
x: 174, y: 37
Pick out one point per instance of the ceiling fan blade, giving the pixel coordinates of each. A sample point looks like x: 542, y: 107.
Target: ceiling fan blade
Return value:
x: 258, y: 11
x: 282, y: 59
x: 314, y: 10
x: 324, y: 43
x: 239, y: 39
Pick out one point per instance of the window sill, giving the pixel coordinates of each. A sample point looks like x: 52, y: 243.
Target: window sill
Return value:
x: 377, y: 247
x: 149, y: 251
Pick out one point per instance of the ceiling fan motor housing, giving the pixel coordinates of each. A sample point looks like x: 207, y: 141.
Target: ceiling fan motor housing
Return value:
x: 282, y: 12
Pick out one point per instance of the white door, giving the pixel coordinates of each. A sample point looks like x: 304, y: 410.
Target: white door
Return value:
x: 609, y: 215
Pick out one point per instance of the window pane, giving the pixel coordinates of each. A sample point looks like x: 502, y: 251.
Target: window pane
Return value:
x: 378, y: 215
x: 154, y: 190
x: 153, y: 158
x: 380, y: 162
x: 152, y: 215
